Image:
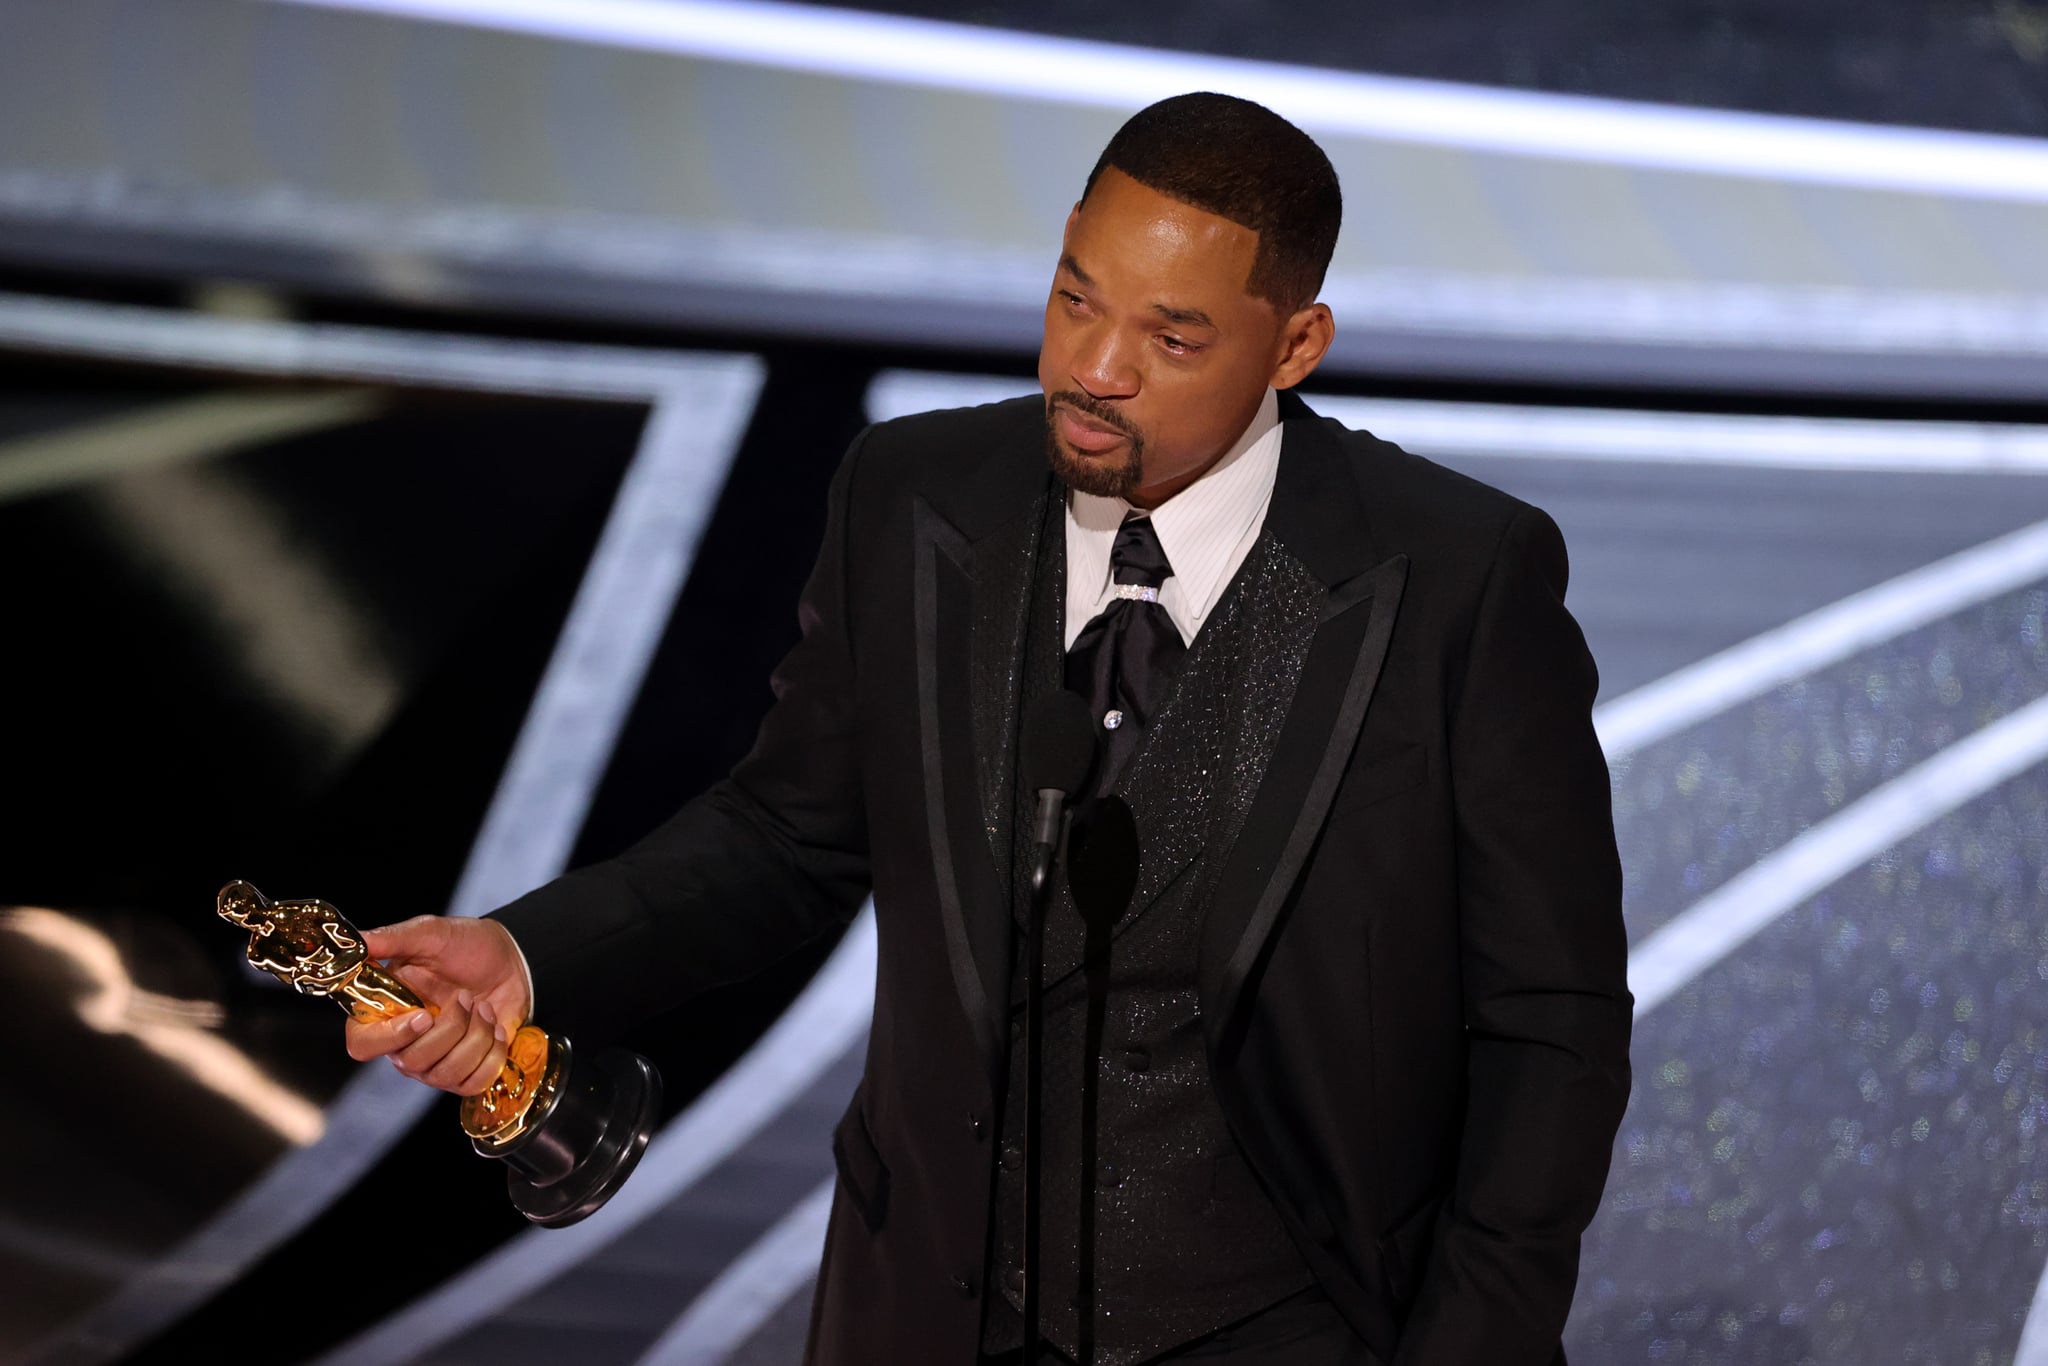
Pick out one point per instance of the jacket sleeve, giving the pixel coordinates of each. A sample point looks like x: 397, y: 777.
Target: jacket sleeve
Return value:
x: 764, y: 860
x: 1544, y: 969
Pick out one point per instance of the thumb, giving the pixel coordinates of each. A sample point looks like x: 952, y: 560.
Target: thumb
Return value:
x: 420, y: 937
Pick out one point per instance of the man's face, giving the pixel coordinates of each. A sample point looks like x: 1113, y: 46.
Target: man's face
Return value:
x: 1155, y: 358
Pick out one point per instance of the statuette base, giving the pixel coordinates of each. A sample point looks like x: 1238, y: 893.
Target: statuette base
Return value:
x: 567, y: 1163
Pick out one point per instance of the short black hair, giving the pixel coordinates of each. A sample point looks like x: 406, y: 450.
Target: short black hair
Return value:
x: 1240, y: 161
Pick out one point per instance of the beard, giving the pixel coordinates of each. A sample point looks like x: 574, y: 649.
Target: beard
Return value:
x: 1113, y: 474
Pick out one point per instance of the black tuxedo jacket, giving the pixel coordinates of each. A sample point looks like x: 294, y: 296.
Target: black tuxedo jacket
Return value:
x: 1412, y: 968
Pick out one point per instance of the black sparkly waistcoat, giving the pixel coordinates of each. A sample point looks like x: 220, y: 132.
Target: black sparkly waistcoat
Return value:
x: 1154, y: 1230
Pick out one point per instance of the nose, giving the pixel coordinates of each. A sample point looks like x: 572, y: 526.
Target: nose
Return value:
x: 1101, y: 366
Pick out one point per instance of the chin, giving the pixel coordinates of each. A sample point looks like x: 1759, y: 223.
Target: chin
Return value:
x: 1112, y: 474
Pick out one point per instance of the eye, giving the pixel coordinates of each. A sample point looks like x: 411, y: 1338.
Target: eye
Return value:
x: 1073, y: 299
x: 1175, y: 346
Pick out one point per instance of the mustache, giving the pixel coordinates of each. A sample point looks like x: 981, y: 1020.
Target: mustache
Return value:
x: 1090, y: 406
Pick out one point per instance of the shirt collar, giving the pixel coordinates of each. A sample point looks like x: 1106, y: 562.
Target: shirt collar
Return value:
x: 1199, y: 526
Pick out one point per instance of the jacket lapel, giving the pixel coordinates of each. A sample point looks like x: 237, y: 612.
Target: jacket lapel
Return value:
x: 974, y: 547
x: 1318, y: 516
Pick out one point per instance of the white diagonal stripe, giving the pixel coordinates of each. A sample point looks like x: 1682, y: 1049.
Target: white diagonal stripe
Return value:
x: 759, y: 1281
x: 1820, y: 638
x: 1715, y: 926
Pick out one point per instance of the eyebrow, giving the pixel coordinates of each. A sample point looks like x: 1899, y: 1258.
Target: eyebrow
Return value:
x: 1185, y: 317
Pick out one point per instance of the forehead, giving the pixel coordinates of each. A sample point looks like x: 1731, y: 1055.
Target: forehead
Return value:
x: 1129, y: 236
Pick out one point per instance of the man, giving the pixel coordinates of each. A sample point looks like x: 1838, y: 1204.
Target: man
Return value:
x: 1336, y: 1077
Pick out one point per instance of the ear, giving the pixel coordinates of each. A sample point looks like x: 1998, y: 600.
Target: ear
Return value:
x: 1304, y: 340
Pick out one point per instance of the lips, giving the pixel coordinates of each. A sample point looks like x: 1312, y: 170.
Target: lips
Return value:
x: 1085, y: 435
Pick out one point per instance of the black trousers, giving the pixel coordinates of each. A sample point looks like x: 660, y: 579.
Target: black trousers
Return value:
x: 1301, y: 1330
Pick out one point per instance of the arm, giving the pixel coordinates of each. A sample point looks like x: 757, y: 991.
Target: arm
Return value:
x: 764, y: 860
x: 1544, y: 963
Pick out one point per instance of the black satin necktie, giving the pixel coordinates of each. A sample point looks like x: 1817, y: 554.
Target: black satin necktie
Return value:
x: 1124, y: 660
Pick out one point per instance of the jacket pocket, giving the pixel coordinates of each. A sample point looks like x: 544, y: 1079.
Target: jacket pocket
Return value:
x: 1404, y: 1251
x: 861, y: 1170
x: 1375, y: 777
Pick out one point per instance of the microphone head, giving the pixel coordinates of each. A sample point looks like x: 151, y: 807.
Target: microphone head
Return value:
x: 1059, y: 743
x: 1102, y: 863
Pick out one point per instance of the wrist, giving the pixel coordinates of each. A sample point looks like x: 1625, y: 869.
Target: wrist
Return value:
x: 525, y: 973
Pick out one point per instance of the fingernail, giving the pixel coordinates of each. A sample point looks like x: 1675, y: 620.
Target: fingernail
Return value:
x: 420, y: 1021
x: 396, y: 1063
x: 487, y: 1010
x: 464, y: 999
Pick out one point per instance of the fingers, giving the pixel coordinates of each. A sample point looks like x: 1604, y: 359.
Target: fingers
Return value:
x: 494, y: 1062
x: 453, y: 1049
x: 423, y: 936
x: 433, y: 1045
x: 430, y: 987
x: 377, y: 1038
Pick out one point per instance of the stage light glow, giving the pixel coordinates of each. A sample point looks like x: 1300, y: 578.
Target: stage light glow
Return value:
x: 923, y: 52
x: 190, y: 429
x: 267, y: 595
x: 181, y: 1032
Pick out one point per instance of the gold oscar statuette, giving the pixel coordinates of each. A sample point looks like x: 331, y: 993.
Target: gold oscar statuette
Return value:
x: 568, y: 1134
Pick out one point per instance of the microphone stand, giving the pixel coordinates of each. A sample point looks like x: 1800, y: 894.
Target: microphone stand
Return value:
x: 1046, y: 851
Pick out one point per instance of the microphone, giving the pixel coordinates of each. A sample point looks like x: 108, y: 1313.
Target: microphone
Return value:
x: 1102, y: 874
x: 1058, y: 750
x: 1102, y: 865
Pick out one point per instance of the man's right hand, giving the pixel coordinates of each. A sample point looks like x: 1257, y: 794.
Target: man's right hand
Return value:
x: 474, y: 973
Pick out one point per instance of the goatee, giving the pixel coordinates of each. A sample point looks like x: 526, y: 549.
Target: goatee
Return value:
x: 1114, y: 474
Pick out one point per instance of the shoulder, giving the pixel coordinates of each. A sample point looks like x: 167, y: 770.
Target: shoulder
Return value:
x: 1457, y: 525
x: 1416, y: 491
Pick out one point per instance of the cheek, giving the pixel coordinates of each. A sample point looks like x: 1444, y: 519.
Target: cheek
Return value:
x: 1182, y: 404
x: 1184, y: 423
x: 1048, y: 366
x: 1053, y: 354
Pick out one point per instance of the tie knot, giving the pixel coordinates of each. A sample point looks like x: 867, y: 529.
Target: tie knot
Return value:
x: 1137, y: 556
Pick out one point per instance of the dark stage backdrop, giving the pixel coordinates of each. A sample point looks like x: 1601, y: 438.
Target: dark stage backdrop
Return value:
x: 367, y: 364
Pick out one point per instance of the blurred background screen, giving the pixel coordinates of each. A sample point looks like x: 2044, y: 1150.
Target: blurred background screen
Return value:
x: 415, y: 420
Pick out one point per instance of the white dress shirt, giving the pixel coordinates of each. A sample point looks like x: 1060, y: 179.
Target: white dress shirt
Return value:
x: 1206, y: 530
